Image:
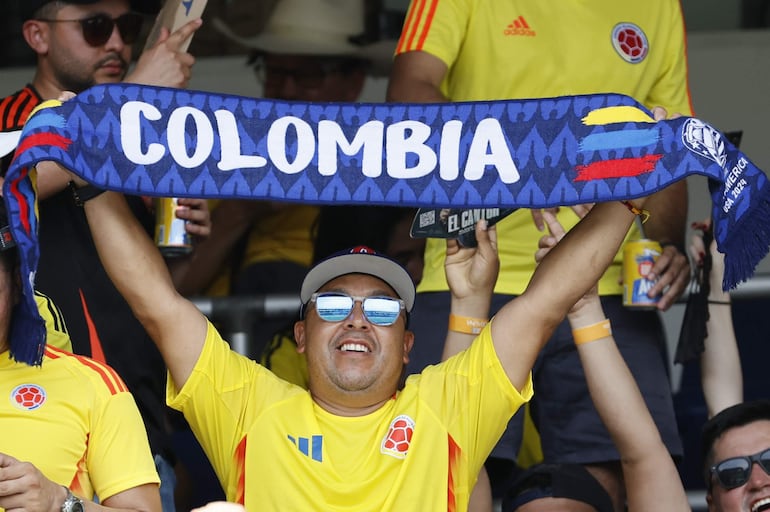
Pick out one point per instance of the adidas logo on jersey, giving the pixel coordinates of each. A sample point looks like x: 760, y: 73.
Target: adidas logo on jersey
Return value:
x: 519, y: 27
x: 310, y: 447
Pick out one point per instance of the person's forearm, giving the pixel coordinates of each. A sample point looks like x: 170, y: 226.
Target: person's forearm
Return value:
x: 473, y: 307
x: 415, y: 77
x: 51, y: 180
x: 138, y: 271
x: 721, y: 374
x: 568, y: 271
x: 651, y: 478
x: 610, y: 383
x: 127, y: 253
x: 593, y: 243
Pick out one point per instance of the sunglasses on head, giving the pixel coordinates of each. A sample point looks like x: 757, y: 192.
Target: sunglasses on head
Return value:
x: 336, y: 307
x: 97, y: 29
x: 735, y: 472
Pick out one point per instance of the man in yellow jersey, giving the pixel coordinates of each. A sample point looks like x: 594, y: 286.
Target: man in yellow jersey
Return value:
x: 458, y: 50
x: 354, y: 440
x: 71, y: 431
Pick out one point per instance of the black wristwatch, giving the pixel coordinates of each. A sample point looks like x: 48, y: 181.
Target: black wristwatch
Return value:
x: 72, y: 503
x: 84, y: 193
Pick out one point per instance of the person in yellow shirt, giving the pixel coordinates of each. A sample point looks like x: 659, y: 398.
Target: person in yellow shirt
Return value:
x: 354, y: 440
x: 71, y: 430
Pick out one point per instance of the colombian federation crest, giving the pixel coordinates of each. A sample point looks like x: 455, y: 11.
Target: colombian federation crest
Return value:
x: 28, y: 397
x: 630, y: 41
x: 396, y: 442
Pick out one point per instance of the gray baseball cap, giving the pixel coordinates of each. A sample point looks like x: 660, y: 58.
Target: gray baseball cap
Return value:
x: 360, y: 260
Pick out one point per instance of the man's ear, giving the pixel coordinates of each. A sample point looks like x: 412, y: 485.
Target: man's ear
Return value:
x: 37, y: 34
x: 299, y: 335
x: 408, y: 344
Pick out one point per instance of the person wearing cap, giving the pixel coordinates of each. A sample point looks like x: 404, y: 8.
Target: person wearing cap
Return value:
x: 71, y: 429
x: 354, y: 440
x: 308, y: 50
x: 80, y: 43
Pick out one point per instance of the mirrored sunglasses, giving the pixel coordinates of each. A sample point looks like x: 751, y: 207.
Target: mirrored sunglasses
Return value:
x: 97, y: 29
x: 735, y: 472
x: 336, y: 307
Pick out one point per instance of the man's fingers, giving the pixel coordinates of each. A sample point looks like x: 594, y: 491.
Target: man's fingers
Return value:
x: 6, y: 460
x: 581, y: 210
x: 183, y: 33
x: 66, y: 96
x: 537, y: 218
x: 697, y: 249
x: 554, y: 227
x: 659, y: 113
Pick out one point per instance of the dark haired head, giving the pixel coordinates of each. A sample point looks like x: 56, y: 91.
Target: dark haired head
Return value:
x: 569, y: 481
x: 735, y: 416
x: 340, y: 227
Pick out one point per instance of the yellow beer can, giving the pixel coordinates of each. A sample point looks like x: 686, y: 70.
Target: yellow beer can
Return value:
x: 170, y: 235
x: 638, y: 258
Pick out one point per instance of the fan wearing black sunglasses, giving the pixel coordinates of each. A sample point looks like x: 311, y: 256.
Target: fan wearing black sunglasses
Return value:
x: 81, y: 43
x: 736, y: 458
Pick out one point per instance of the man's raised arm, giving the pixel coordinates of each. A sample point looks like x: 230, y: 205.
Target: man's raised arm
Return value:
x: 522, y: 326
x: 140, y: 274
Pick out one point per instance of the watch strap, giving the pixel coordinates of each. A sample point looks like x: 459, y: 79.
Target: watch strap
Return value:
x: 84, y: 193
x: 72, y: 503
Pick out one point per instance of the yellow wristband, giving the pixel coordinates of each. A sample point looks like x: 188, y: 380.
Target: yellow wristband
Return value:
x: 592, y: 332
x: 466, y: 324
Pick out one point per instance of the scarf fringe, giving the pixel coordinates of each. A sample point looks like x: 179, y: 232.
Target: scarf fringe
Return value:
x: 23, y: 348
x: 748, y: 243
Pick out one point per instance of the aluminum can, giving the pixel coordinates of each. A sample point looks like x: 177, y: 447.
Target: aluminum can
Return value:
x: 170, y: 235
x: 638, y: 258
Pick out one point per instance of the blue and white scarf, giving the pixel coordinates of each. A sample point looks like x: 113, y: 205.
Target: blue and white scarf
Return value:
x: 522, y: 153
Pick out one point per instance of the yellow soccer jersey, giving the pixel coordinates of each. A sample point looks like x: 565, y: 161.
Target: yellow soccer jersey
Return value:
x: 285, y: 234
x: 273, y: 448
x: 497, y: 50
x: 281, y: 357
x: 74, y: 419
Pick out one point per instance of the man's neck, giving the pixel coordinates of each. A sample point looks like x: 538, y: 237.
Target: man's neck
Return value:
x: 350, y: 409
x: 46, y: 88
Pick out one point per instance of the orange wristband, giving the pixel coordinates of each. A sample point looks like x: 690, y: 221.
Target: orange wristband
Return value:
x: 466, y: 324
x: 592, y: 332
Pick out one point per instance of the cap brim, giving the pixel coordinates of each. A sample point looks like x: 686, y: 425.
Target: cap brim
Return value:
x: 374, y: 265
x: 9, y: 141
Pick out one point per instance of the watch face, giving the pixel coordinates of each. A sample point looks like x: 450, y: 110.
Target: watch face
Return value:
x: 72, y: 503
